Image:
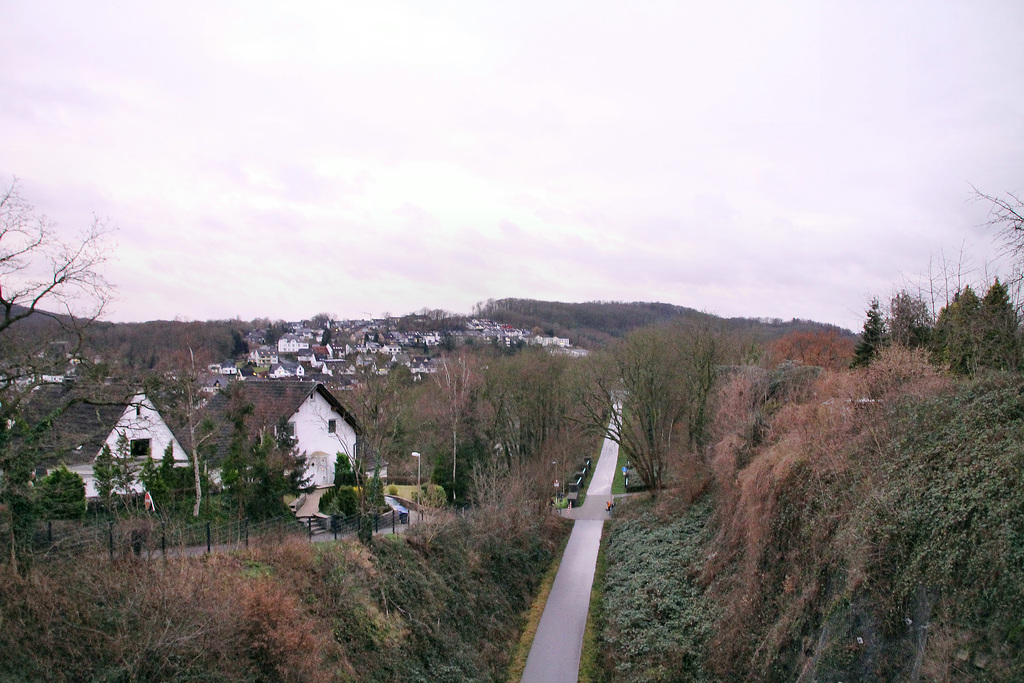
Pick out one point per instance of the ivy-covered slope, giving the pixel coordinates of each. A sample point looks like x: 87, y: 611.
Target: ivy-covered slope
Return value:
x: 863, y: 526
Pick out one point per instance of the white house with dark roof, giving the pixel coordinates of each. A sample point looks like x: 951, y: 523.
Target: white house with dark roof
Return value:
x: 82, y: 430
x: 291, y: 343
x: 322, y: 429
x: 264, y: 356
x: 319, y: 426
x: 286, y: 369
x: 145, y: 431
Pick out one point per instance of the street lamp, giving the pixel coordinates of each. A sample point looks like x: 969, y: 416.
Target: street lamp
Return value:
x: 417, y: 456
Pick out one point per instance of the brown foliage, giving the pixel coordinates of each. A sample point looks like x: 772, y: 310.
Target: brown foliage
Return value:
x: 763, y: 570
x: 824, y: 349
x: 899, y: 371
x: 282, y: 643
x: 152, y: 620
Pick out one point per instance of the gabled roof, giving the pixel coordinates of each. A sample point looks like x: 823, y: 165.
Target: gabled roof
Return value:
x: 81, y: 422
x: 273, y: 401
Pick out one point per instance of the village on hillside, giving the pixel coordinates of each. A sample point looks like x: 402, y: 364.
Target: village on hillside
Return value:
x: 337, y: 353
x: 291, y: 379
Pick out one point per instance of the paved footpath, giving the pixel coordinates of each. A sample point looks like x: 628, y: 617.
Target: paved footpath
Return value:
x: 555, y: 653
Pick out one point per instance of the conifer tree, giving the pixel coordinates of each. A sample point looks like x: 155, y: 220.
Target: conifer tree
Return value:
x: 124, y: 469
x: 103, y: 473
x: 957, y: 333
x: 872, y: 339
x: 260, y: 470
x: 1000, y: 340
x: 159, y: 479
x: 62, y: 494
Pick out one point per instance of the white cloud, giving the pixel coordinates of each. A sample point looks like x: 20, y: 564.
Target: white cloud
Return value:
x: 782, y: 158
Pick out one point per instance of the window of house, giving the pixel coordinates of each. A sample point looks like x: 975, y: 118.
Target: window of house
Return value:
x: 332, y: 426
x: 289, y: 429
x: 140, y: 448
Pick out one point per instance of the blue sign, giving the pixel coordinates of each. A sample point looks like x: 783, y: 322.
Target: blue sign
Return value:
x: 623, y: 470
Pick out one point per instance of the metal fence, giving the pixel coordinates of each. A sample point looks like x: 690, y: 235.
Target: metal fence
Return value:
x: 152, y: 536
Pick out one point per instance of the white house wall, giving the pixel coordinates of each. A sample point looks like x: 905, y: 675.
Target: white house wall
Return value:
x: 147, y: 424
x: 318, y: 445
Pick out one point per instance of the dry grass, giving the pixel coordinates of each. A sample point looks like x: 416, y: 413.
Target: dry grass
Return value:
x: 155, y: 620
x: 287, y: 611
x: 787, y: 468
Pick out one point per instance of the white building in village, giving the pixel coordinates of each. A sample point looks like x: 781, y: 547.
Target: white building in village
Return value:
x: 145, y: 435
x: 321, y: 428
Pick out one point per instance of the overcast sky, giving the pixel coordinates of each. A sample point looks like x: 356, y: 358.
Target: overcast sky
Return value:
x: 785, y: 159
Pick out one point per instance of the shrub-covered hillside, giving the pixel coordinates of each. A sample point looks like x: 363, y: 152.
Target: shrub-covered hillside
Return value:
x: 864, y: 525
x: 441, y: 604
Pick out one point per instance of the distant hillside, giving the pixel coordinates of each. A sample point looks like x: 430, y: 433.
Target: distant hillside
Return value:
x: 136, y: 346
x: 154, y: 344
x: 597, y: 322
x: 158, y: 344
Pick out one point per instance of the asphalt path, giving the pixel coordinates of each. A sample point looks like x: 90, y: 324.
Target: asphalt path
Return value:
x: 555, y: 654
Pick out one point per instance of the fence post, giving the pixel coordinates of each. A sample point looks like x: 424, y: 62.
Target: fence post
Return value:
x: 334, y: 527
x: 392, y: 521
x: 163, y: 538
x: 110, y: 538
x: 376, y: 522
x: 207, y: 537
x: 310, y: 523
x: 49, y: 533
x: 246, y: 532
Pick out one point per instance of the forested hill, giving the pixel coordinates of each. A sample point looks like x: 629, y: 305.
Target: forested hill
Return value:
x: 155, y: 344
x: 597, y: 322
x: 152, y: 345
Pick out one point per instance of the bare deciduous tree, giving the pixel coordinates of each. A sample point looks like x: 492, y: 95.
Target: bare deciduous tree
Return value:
x: 1006, y: 216
x: 51, y: 289
x: 908, y: 320
x: 660, y: 380
x: 198, y: 432
x: 38, y: 266
x: 456, y: 380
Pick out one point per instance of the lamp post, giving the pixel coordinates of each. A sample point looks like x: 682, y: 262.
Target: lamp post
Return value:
x: 417, y: 456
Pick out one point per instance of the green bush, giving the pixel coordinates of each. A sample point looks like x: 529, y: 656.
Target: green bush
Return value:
x: 879, y: 540
x: 340, y: 500
x: 62, y: 495
x: 951, y: 515
x: 343, y: 474
x: 432, y: 495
